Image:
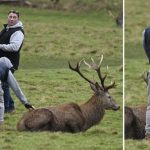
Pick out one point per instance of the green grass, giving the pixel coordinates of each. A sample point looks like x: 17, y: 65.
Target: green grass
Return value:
x: 53, y: 38
x: 69, y: 35
x: 45, y: 87
x: 137, y: 18
x: 80, y: 5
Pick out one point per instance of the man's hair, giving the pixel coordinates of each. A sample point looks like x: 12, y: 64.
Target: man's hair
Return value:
x: 14, y: 11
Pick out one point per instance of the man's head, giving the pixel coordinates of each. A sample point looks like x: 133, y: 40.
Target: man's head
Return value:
x: 13, y: 17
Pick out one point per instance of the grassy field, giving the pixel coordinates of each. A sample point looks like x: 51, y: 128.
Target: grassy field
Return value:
x: 53, y: 38
x: 137, y: 18
x: 79, y: 5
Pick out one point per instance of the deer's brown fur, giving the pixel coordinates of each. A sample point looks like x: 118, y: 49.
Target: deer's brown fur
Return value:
x: 72, y: 117
x: 135, y: 120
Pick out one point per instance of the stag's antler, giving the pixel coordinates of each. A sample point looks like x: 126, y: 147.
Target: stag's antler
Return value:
x: 97, y: 69
x: 77, y: 69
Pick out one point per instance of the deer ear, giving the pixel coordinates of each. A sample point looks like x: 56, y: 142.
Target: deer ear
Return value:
x: 95, y: 87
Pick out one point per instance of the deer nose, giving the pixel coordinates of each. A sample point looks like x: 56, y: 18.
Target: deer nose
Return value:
x: 116, y: 108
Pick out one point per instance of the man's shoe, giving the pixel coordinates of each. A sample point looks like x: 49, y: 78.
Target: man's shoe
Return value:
x: 10, y: 110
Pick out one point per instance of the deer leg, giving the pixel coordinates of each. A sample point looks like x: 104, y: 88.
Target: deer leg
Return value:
x: 75, y: 124
x: 129, y: 120
x: 139, y: 130
x: 36, y: 120
x: 73, y: 127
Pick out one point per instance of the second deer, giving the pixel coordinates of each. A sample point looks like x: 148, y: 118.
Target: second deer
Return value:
x: 135, y: 119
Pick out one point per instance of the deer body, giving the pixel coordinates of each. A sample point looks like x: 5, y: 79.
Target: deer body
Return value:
x: 84, y: 116
x: 66, y: 117
x: 72, y: 117
x: 135, y: 118
x: 135, y: 121
x: 93, y: 112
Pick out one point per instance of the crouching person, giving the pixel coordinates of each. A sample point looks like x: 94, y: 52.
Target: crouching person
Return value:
x: 6, y: 75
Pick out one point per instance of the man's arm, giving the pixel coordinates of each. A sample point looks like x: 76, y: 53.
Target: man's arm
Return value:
x: 16, y: 40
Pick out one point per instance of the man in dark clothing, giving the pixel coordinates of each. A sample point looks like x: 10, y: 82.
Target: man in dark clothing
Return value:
x: 11, y: 40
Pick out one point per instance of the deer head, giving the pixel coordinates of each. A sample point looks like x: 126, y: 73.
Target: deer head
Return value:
x: 101, y: 91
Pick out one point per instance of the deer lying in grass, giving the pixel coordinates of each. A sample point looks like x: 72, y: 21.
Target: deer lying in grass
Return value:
x: 135, y: 119
x: 72, y: 117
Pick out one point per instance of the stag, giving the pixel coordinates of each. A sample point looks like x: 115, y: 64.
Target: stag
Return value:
x: 118, y: 19
x: 72, y: 117
x: 135, y: 119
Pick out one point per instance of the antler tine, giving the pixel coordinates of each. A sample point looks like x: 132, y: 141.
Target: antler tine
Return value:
x: 74, y: 69
x: 97, y: 69
x: 77, y: 69
x: 93, y: 60
x: 102, y: 79
x: 112, y: 85
x: 101, y: 60
x: 87, y: 64
x: 107, y: 69
x: 80, y: 62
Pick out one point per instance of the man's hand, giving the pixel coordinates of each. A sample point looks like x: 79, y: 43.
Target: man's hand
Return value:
x: 28, y: 106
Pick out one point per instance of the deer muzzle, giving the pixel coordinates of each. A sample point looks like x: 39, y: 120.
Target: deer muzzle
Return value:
x: 116, y: 108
